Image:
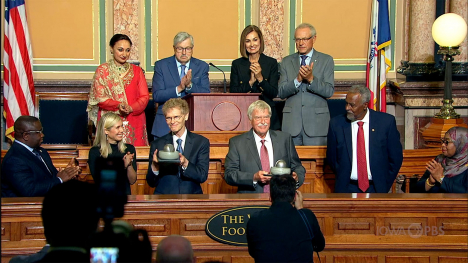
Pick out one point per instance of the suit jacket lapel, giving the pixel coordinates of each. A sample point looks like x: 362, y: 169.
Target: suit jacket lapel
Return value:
x: 29, y: 155
x: 252, y: 145
x: 188, y: 144
x: 349, y: 140
x: 46, y: 163
x: 295, y: 63
x: 172, y: 67
x: 276, y: 148
x: 372, y: 125
x: 314, y: 58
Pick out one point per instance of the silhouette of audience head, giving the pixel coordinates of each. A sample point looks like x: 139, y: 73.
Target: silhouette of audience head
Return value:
x: 28, y: 130
x: 282, y: 188
x: 174, y: 248
x: 69, y: 214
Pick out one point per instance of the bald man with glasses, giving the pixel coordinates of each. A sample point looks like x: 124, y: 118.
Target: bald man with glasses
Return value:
x: 27, y: 169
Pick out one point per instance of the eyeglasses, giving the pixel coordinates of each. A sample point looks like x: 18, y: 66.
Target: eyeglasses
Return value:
x: 187, y: 49
x: 298, y: 40
x: 445, y: 141
x: 257, y: 118
x: 175, y: 118
x: 40, y: 131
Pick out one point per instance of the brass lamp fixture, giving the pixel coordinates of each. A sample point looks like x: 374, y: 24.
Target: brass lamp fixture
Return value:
x: 449, y: 31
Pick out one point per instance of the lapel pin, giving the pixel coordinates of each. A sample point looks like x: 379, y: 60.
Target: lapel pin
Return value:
x: 373, y: 130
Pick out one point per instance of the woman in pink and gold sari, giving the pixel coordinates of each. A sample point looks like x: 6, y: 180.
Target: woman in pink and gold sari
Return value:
x: 120, y: 87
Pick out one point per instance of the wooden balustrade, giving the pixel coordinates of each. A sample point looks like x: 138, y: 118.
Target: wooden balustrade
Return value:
x: 357, y: 227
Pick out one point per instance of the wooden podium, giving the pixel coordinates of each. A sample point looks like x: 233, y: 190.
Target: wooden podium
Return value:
x: 220, y: 112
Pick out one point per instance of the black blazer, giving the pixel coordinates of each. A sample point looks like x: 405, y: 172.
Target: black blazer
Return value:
x: 24, y: 175
x: 240, y: 76
x: 279, y: 234
x: 455, y: 184
x: 197, y: 151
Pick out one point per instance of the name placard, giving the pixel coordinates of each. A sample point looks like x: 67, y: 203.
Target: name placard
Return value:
x: 229, y: 226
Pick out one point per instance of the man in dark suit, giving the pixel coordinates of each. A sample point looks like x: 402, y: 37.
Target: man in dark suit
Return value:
x: 286, y: 232
x: 176, y: 77
x: 70, y: 217
x: 27, y: 169
x: 252, y: 154
x: 186, y: 176
x: 307, y: 80
x: 364, y: 148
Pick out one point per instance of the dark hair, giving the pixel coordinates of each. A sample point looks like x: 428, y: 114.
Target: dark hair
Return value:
x: 249, y: 29
x: 77, y: 219
x: 282, y: 188
x: 117, y: 37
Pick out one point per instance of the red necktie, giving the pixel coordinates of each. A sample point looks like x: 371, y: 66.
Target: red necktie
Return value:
x: 363, y: 179
x: 265, y: 163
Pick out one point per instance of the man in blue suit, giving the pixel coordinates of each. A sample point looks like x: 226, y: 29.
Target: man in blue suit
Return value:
x: 27, y: 169
x: 185, y: 176
x: 177, y: 76
x: 363, y: 147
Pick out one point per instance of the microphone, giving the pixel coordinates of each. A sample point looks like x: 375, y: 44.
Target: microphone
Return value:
x: 211, y: 64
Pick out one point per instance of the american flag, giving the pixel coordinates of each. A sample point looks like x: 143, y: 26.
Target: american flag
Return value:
x: 18, y: 86
x: 379, y: 40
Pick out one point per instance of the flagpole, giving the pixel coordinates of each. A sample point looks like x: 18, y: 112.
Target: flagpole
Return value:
x: 377, y: 95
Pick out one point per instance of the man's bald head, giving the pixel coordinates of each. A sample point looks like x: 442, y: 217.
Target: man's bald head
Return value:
x: 23, y: 124
x: 174, y: 248
x: 28, y: 130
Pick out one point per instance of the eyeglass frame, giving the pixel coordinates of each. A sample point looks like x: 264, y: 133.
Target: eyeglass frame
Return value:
x: 258, y: 118
x: 175, y: 118
x: 299, y: 40
x: 181, y: 49
x: 445, y: 141
x: 37, y: 131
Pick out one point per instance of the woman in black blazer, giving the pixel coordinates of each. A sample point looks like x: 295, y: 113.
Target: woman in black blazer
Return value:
x: 255, y: 72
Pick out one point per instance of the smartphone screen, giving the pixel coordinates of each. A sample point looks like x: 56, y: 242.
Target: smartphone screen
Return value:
x: 104, y: 255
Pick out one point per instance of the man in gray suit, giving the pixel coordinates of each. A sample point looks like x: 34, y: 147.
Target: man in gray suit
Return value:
x: 307, y: 80
x: 252, y: 154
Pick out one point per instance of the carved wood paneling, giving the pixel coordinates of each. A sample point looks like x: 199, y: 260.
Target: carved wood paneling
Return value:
x: 32, y: 230
x: 355, y: 259
x: 452, y: 226
x: 349, y: 223
x: 354, y: 226
x: 445, y: 259
x: 6, y: 230
x: 406, y: 259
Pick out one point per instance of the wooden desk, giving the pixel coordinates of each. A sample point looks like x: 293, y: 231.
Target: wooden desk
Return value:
x: 357, y: 227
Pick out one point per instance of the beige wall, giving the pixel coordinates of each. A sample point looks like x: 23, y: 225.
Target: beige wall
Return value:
x: 69, y: 37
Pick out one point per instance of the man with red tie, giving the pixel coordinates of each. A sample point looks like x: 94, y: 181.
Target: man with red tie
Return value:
x: 363, y: 146
x: 252, y: 154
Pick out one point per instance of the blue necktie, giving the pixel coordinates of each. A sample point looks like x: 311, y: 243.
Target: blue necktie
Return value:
x: 179, y: 149
x: 182, y: 71
x: 179, y: 146
x: 303, y: 60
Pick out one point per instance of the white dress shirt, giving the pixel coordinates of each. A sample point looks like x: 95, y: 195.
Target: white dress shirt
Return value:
x: 268, y: 145
x: 354, y: 132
